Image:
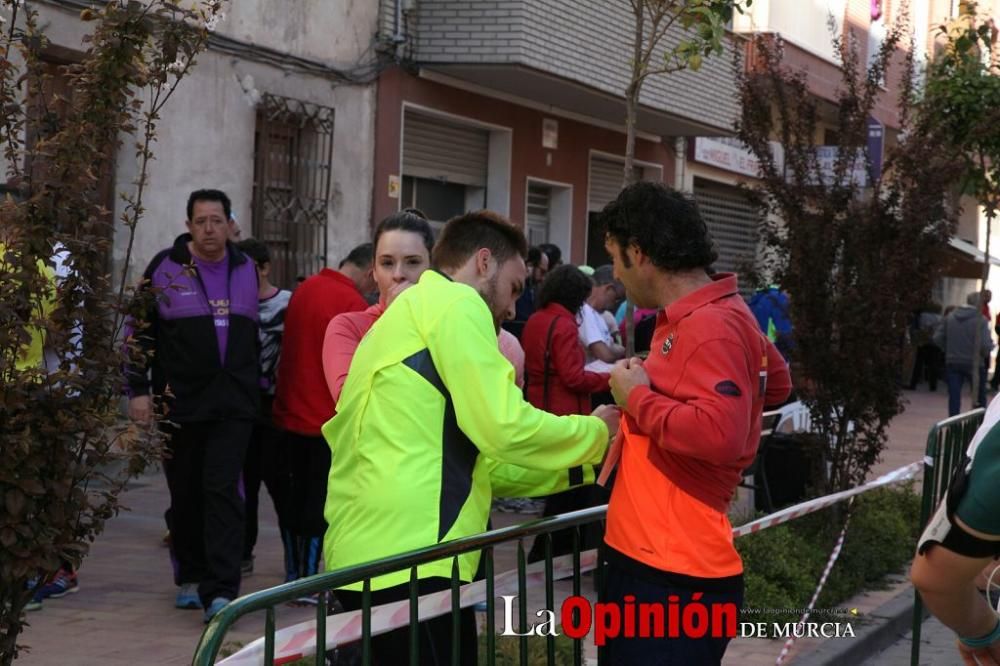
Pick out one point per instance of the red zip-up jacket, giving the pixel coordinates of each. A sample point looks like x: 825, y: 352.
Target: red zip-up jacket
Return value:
x: 569, y: 385
x: 695, y: 429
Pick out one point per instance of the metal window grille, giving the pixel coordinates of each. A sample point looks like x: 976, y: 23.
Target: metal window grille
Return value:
x: 293, y: 159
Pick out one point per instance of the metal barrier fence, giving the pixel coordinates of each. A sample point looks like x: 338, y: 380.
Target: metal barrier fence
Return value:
x: 267, y: 600
x: 311, y: 637
x: 946, y: 444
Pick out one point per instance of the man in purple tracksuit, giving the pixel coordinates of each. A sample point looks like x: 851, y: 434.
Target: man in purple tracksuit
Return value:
x: 199, y: 319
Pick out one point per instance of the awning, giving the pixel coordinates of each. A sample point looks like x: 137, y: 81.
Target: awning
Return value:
x: 962, y: 259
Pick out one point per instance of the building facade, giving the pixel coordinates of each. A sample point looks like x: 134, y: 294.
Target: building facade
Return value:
x: 518, y: 106
x: 278, y: 112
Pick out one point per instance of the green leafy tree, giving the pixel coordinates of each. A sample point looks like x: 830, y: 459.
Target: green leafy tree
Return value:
x: 856, y: 253
x: 962, y: 96
x: 66, y: 453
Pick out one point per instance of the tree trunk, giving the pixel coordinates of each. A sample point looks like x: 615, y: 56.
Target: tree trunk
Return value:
x: 977, y: 339
x: 631, y: 107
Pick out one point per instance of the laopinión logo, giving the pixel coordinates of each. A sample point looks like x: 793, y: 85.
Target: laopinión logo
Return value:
x: 695, y: 619
x: 834, y: 623
x: 630, y: 619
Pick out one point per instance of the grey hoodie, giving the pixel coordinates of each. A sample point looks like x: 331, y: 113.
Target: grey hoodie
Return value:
x: 956, y: 336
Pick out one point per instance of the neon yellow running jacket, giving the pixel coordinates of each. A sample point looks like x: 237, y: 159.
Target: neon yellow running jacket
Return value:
x: 429, y: 424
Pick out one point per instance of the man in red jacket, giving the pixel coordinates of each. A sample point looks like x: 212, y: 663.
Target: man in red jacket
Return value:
x: 691, y: 425
x: 302, y: 403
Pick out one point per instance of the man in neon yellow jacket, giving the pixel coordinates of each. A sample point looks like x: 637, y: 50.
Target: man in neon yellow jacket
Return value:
x: 430, y: 412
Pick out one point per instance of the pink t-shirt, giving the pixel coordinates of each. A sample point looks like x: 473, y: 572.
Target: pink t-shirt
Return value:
x: 344, y: 333
x: 513, y: 352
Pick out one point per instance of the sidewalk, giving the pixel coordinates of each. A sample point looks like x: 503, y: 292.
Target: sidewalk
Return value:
x: 123, y: 613
x: 937, y: 648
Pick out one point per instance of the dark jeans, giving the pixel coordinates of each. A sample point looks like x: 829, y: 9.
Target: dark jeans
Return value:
x: 574, y: 499
x: 310, y: 462
x: 267, y: 461
x: 202, y: 466
x: 393, y: 648
x: 927, y: 364
x: 679, y: 651
x: 957, y: 375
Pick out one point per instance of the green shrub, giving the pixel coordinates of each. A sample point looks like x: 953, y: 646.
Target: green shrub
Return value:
x: 508, y: 650
x: 783, y: 564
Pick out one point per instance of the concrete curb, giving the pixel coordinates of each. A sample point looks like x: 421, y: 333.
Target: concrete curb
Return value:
x: 887, y: 624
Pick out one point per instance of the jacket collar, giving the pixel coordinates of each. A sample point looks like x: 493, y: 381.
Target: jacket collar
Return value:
x: 182, y: 255
x: 558, y: 310
x: 723, y: 285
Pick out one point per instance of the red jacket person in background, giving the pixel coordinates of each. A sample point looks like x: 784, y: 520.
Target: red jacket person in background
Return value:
x: 691, y: 424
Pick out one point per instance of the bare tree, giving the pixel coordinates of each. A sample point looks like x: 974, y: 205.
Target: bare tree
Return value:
x: 67, y: 453
x: 697, y: 30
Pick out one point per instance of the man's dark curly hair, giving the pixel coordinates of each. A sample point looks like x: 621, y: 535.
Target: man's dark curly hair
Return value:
x: 665, y: 224
x: 566, y: 285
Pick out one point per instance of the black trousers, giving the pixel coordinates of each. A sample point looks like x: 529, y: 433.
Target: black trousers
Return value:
x: 682, y: 650
x: 267, y: 462
x: 393, y: 648
x: 310, y: 460
x: 203, y: 466
x: 574, y: 499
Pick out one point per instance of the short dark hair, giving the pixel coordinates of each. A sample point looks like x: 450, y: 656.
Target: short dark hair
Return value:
x: 361, y: 256
x: 534, y: 256
x: 553, y: 253
x: 604, y: 275
x: 566, y: 285
x: 464, y: 235
x: 663, y: 223
x: 408, y: 219
x: 209, y: 195
x: 256, y: 250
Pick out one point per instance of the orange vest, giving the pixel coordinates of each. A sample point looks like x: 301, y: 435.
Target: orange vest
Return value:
x: 653, y: 521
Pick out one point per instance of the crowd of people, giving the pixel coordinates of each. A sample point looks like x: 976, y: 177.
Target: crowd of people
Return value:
x: 390, y: 404
x: 387, y: 404
x: 949, y: 346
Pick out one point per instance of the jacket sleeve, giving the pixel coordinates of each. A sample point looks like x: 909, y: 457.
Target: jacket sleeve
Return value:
x: 940, y: 335
x: 987, y: 338
x: 514, y: 481
x: 490, y: 409
x: 339, y: 344
x: 567, y: 357
x: 711, y: 425
x: 779, y: 379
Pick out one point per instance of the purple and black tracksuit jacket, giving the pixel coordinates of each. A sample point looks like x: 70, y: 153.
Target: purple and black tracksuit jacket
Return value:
x: 188, y: 372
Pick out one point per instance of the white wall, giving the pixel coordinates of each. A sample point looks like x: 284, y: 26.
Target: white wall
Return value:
x: 206, y: 132
x: 802, y: 22
x: 206, y: 139
x: 337, y: 31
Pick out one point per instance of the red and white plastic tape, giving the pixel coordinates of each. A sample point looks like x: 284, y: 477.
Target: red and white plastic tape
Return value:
x: 299, y: 640
x: 819, y: 588
x: 799, y: 510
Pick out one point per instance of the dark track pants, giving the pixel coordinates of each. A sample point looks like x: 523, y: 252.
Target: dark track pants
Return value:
x: 266, y: 462
x: 680, y: 651
x: 203, y: 466
x: 393, y: 648
x: 310, y: 461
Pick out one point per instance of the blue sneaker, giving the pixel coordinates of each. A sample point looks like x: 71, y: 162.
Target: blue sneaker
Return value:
x: 59, y: 585
x: 35, y: 604
x: 187, y: 597
x: 217, y: 604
